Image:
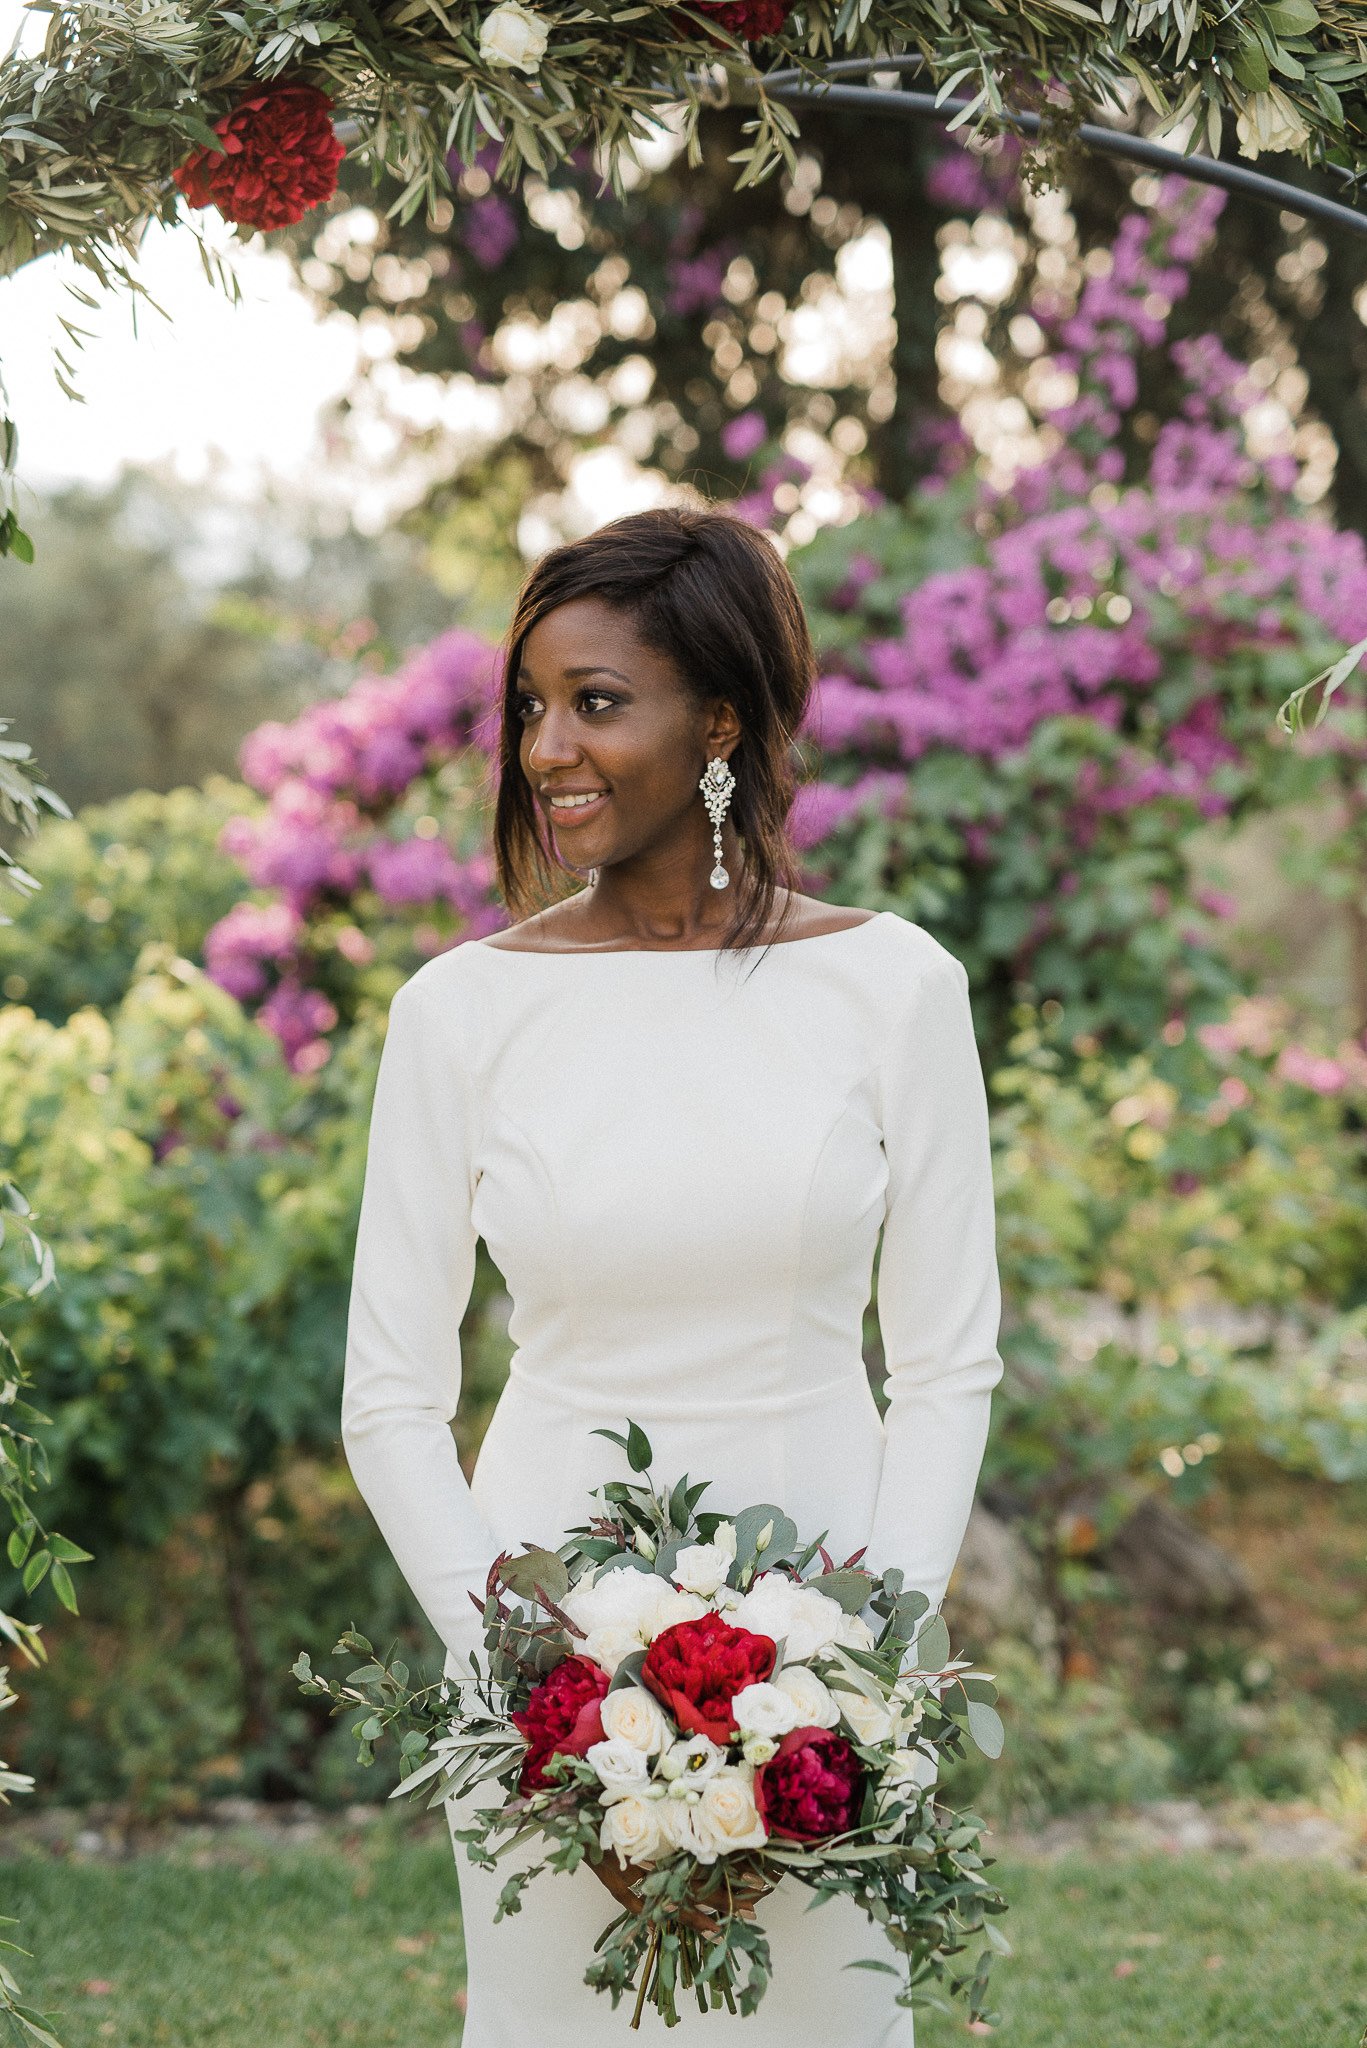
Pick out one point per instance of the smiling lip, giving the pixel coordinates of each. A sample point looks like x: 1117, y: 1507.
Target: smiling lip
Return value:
x: 575, y: 814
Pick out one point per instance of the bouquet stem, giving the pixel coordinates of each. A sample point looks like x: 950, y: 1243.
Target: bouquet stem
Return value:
x: 649, y: 1966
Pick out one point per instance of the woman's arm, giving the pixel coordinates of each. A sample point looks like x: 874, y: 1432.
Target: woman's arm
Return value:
x: 939, y: 1295
x: 415, y: 1264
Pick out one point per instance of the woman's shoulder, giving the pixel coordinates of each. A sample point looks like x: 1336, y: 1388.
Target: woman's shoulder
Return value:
x: 922, y: 952
x: 896, y: 951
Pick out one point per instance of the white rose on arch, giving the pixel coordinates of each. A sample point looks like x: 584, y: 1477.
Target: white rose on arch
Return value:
x: 512, y: 35
x: 1270, y: 121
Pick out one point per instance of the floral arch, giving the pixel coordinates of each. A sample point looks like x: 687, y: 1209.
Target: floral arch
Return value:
x: 132, y: 107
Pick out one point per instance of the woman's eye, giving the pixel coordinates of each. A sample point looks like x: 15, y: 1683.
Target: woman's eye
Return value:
x: 523, y: 705
x: 592, y: 697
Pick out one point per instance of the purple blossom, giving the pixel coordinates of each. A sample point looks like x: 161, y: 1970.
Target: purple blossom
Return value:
x: 411, y: 870
x: 693, y: 283
x: 250, y: 933
x: 299, y: 1017
x: 489, y: 229
x: 971, y: 181
x: 742, y: 436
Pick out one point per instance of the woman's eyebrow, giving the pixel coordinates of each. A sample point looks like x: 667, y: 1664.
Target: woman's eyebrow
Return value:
x: 594, y: 668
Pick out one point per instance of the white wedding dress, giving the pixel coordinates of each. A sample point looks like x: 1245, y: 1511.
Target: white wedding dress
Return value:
x: 680, y: 1162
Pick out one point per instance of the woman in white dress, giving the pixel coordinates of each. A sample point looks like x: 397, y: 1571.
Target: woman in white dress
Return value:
x: 679, y: 1114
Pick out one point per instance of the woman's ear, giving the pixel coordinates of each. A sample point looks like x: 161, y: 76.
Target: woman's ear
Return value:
x: 723, y: 733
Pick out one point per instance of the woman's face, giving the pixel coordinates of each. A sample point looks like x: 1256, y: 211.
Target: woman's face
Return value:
x: 609, y: 722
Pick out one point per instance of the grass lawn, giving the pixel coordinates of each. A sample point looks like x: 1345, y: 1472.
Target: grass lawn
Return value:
x: 356, y: 1939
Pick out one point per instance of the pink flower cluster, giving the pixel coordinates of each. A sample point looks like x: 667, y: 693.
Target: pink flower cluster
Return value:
x: 1259, y: 1026
x: 333, y: 777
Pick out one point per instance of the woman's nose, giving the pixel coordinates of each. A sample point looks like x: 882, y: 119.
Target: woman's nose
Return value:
x: 554, y: 744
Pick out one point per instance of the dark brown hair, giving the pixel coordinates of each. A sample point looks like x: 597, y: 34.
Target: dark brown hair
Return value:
x: 712, y: 594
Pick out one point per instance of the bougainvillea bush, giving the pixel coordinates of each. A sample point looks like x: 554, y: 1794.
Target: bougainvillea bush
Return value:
x: 1031, y: 697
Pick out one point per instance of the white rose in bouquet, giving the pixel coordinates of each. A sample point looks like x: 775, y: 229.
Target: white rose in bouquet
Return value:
x: 905, y: 1772
x: 815, y: 1704
x: 726, y: 1819
x: 637, y: 1602
x: 631, y: 1831
x: 608, y: 1646
x: 908, y: 1708
x: 869, y: 1720
x: 765, y: 1710
x: 805, y: 1620
x: 621, y: 1768
x: 854, y: 1633
x: 631, y: 1714
x: 702, y: 1567
x: 511, y: 34
x: 679, y: 1830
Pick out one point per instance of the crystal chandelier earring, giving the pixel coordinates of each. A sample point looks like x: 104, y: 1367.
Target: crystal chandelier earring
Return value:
x: 716, y: 785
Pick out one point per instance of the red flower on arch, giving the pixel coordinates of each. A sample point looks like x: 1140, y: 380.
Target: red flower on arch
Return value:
x: 279, y: 158
x: 748, y: 20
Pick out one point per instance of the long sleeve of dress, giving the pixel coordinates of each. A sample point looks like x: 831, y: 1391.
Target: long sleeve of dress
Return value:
x: 414, y: 1268
x: 939, y: 1295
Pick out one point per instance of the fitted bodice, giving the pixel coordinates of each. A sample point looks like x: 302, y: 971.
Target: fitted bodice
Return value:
x: 681, y: 1163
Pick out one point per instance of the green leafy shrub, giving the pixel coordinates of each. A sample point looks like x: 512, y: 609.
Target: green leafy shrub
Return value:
x: 146, y: 867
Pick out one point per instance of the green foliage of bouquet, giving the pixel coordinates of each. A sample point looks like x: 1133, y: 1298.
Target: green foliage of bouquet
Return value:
x: 679, y: 1701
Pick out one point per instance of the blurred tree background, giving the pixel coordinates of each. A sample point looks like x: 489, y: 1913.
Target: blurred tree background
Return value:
x: 1064, y: 556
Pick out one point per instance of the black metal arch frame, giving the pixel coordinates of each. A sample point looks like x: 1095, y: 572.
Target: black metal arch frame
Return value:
x: 796, y: 86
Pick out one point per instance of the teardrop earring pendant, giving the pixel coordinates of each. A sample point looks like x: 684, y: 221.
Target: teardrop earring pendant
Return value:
x: 717, y: 783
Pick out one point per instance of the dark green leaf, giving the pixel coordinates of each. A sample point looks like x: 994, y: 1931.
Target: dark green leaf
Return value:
x: 639, y: 1453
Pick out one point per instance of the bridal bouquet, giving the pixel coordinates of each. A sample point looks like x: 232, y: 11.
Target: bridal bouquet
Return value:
x: 695, y: 1706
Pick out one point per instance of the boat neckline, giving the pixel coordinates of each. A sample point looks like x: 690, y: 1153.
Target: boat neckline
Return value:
x: 670, y: 952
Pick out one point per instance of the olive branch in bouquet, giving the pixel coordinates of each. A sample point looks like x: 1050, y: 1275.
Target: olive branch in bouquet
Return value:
x: 914, y: 1868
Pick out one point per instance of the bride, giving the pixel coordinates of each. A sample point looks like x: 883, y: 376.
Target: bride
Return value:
x: 678, y: 1106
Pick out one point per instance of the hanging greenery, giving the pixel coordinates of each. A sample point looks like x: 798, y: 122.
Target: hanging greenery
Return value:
x: 132, y: 105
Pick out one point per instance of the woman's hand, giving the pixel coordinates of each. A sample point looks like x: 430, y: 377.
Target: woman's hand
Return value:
x: 622, y: 1881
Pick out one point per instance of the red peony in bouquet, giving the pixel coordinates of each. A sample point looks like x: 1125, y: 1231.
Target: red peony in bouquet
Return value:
x: 680, y: 1700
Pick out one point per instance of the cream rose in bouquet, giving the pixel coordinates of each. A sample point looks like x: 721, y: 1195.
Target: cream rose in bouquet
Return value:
x: 700, y: 1706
